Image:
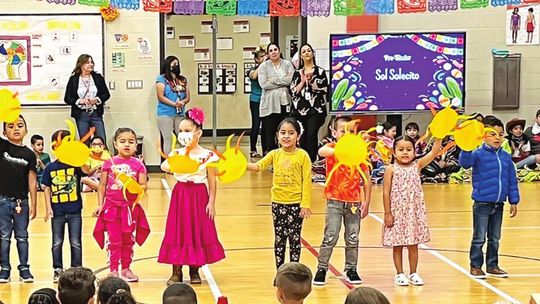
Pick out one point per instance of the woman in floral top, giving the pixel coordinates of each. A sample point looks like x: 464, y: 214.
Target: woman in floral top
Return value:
x: 309, y: 89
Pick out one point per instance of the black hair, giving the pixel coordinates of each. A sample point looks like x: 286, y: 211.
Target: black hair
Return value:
x: 21, y: 117
x: 268, y: 48
x: 124, y: 130
x: 492, y: 121
x: 537, y: 113
x: 102, y: 140
x: 76, y: 285
x: 398, y: 139
x: 301, y: 64
x: 294, y: 123
x: 412, y: 125
x: 121, y: 296
x: 109, y: 287
x: 43, y: 296
x: 179, y: 293
x: 59, y: 133
x: 166, y: 69
x: 35, y: 138
x: 531, y: 9
x: 258, y: 51
x: 386, y: 126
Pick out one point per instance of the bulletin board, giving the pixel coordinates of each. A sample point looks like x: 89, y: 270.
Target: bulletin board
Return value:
x: 226, y: 78
x: 38, y: 53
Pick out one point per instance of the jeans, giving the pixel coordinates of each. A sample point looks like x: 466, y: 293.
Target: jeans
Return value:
x: 337, y: 211
x: 527, y: 161
x: 87, y: 120
x: 74, y: 224
x: 255, y: 127
x: 309, y: 141
x: 167, y: 126
x: 11, y: 221
x: 487, y: 219
x: 270, y: 125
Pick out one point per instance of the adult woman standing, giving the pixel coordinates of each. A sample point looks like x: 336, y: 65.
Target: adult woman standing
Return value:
x: 173, y: 94
x: 309, y: 89
x: 275, y: 76
x: 254, y: 103
x: 86, y: 93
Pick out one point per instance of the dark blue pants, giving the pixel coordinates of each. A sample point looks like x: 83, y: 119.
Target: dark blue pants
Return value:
x: 87, y: 120
x: 13, y: 222
x: 487, y: 220
x: 74, y: 224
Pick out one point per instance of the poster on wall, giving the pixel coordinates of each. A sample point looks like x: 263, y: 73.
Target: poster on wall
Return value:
x: 226, y: 78
x: 247, y: 80
x: 397, y: 72
x: 241, y: 26
x: 186, y: 41
x: 39, y: 52
x: 522, y: 24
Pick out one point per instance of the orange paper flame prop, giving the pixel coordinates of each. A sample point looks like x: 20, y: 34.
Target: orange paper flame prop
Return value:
x: 232, y: 164
x: 178, y: 163
x: 70, y: 151
x: 352, y: 151
x: 10, y: 106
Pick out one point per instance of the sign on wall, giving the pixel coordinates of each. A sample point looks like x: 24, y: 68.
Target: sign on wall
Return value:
x: 39, y: 52
x: 226, y: 78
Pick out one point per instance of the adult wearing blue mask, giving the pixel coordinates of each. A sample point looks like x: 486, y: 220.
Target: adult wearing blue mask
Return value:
x: 173, y: 94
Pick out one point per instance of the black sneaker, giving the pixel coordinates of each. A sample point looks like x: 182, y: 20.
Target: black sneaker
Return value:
x: 56, y: 274
x: 4, y: 275
x: 320, y: 277
x: 25, y: 275
x: 353, y: 277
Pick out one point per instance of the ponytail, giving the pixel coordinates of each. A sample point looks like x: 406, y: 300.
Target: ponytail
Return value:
x: 121, y: 297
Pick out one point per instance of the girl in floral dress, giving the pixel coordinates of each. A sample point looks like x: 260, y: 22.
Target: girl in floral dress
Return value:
x: 405, y: 220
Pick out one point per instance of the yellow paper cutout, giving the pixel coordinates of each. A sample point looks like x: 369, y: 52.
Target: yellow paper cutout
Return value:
x: 469, y: 135
x: 232, y: 164
x: 10, y: 106
x: 352, y: 150
x: 181, y: 164
x: 70, y: 151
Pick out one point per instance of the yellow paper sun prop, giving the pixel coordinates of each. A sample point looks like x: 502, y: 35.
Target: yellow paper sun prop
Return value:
x: 71, y: 151
x: 130, y: 185
x: 352, y: 151
x: 470, y: 134
x: 232, y: 163
x: 181, y: 164
x: 10, y: 106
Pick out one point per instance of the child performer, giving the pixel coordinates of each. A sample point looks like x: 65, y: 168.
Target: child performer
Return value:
x: 190, y: 235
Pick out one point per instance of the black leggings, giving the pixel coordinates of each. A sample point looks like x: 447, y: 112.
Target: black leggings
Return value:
x: 287, y: 225
x: 255, y: 127
x: 309, y: 141
x: 270, y: 125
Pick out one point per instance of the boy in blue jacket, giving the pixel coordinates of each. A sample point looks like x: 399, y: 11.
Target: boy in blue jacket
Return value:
x: 494, y: 181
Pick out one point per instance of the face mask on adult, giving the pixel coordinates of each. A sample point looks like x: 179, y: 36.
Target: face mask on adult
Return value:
x: 175, y: 69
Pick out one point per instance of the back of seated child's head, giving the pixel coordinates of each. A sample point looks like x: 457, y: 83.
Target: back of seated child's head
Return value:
x: 293, y: 281
x: 179, y: 293
x: 109, y: 287
x: 366, y: 295
x: 57, y: 136
x: 76, y: 286
x: 121, y: 296
x: 43, y: 296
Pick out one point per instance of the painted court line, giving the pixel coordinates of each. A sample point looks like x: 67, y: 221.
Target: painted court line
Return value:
x: 467, y: 228
x: 458, y: 267
x: 206, y: 270
x: 332, y: 269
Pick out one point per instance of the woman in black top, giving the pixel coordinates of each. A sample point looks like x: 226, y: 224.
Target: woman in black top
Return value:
x: 86, y: 93
x: 309, y: 89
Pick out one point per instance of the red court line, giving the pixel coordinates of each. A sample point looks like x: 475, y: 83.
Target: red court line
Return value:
x: 336, y: 272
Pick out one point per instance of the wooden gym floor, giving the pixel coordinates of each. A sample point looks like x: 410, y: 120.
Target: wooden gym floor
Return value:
x: 245, y: 228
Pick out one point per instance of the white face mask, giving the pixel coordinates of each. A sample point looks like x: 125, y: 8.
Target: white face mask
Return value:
x: 185, y: 138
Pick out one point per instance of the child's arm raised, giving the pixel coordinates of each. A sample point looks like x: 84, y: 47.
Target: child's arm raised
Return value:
x: 32, y: 184
x: 211, y: 207
x: 326, y: 151
x: 262, y: 164
x: 101, y: 192
x: 387, y: 187
x: 165, y: 166
x: 428, y: 158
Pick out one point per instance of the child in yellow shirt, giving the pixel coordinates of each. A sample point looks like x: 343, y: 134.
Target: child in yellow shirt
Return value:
x: 291, y: 189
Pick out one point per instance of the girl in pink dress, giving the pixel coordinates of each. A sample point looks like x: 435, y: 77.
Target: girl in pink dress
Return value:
x: 405, y: 220
x: 190, y: 235
x: 119, y: 213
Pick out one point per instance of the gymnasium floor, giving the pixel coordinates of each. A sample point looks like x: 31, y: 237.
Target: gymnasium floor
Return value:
x: 245, y: 228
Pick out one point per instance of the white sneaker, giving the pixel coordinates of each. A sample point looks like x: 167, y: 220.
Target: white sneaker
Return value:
x: 401, y: 280
x: 415, y: 279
